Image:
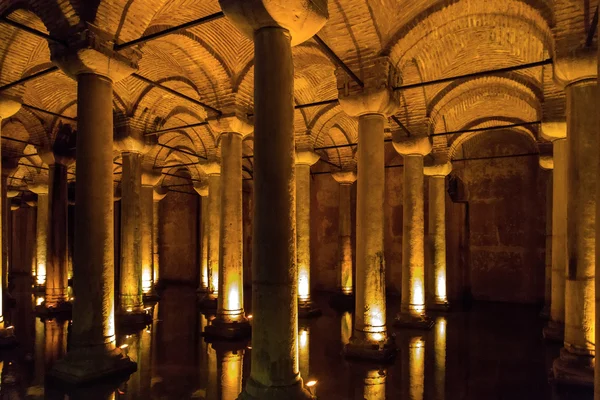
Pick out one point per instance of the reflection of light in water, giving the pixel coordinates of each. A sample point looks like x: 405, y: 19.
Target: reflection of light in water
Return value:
x: 212, y: 385
x: 304, y: 353
x: 416, y: 368
x: 374, y: 382
x: 440, y: 358
x: 231, y: 374
x: 39, y: 300
x: 55, y: 335
x: 303, y: 283
x: 346, y: 327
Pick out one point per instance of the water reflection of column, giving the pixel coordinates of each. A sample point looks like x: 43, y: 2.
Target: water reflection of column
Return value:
x: 374, y: 385
x: 55, y: 335
x: 416, y: 368
x: 346, y: 327
x: 203, y: 355
x: 230, y: 364
x: 439, y: 372
x: 212, y: 387
x: 139, y: 349
x: 304, y: 352
x: 37, y: 384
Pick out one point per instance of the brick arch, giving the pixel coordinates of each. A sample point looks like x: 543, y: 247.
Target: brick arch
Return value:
x: 524, y: 136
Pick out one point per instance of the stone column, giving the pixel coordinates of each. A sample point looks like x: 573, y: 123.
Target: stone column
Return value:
x: 412, y: 308
x: 202, y: 189
x: 41, y: 233
x: 304, y: 160
x: 371, y: 104
x: 230, y: 323
x: 149, y: 179
x: 547, y: 164
x: 576, y: 362
x: 436, y: 297
x: 6, y: 207
x: 9, y: 106
x: 556, y: 132
x: 374, y: 384
x: 157, y: 196
x: 345, y: 295
x: 213, y: 170
x: 439, y: 364
x: 274, y: 371
x: 93, y: 353
x: 304, y: 351
x: 229, y: 370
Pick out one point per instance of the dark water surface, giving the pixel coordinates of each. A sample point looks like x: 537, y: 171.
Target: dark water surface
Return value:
x: 491, y: 352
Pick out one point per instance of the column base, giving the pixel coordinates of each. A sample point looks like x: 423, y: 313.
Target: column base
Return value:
x: 151, y: 298
x: 133, y: 321
x: 202, y: 291
x: 62, y: 311
x: 362, y: 349
x: 208, y: 303
x: 307, y: 309
x: 409, y: 321
x: 439, y: 307
x: 342, y: 301
x: 79, y: 367
x: 256, y: 391
x: 573, y: 369
x: 223, y: 330
x: 39, y: 289
x: 554, y: 332
x: 8, y: 338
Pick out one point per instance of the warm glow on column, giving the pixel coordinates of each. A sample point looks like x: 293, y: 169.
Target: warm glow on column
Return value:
x: 303, y: 283
x: 375, y: 324
x: 231, y: 375
x: 374, y: 385
x: 418, y: 298
x: 416, y: 368
x: 440, y: 358
x: 304, y: 352
x: 346, y: 264
x: 346, y: 327
x: 146, y: 278
x: 40, y: 277
x: 440, y: 286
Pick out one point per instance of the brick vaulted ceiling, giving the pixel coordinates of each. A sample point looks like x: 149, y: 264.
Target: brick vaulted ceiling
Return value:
x: 213, y: 62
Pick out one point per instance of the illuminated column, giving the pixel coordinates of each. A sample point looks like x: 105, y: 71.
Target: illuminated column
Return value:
x: 346, y: 323
x: 229, y: 365
x: 231, y: 322
x: 57, y: 252
x: 412, y: 308
x: 547, y: 164
x: 436, y: 296
x: 202, y: 189
x: 439, y: 365
x: 41, y: 232
x: 149, y: 179
x: 304, y: 352
x: 374, y: 384
x: 213, y: 170
x: 274, y: 371
x: 346, y: 180
x: 557, y: 133
x: 8, y: 107
x: 371, y: 104
x: 416, y: 368
x: 576, y: 361
x: 93, y: 353
x: 304, y: 160
x: 157, y: 196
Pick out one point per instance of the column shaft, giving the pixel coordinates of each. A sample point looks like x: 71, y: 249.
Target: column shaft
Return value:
x: 559, y: 230
x: 5, y: 209
x: 130, y: 293
x: 230, y: 306
x: 155, y: 254
x: 41, y: 239
x: 147, y: 216
x: 214, y: 222
x: 204, y: 235
x: 345, y: 239
x: 370, y: 313
x: 57, y: 250
x: 548, y: 270
x: 274, y: 288
x: 437, y: 235
x: 303, y: 231
x: 413, y: 255
x: 93, y: 311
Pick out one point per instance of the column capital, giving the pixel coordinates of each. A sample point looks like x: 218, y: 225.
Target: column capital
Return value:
x: 38, y: 187
x: 413, y: 145
x: 555, y: 130
x: 117, y: 191
x: 235, y: 122
x: 437, y: 169
x: 212, y: 167
x: 90, y: 51
x: 9, y: 106
x: 344, y: 177
x: 201, y: 188
x: 50, y: 157
x: 577, y: 65
x: 159, y: 193
x: 150, y: 176
x: 546, y: 162
x: 129, y: 138
x: 306, y: 157
x: 377, y: 96
x: 303, y: 19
